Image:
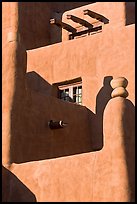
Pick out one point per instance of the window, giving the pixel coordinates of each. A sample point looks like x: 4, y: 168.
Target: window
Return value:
x: 86, y: 32
x: 71, y: 93
x: 70, y: 90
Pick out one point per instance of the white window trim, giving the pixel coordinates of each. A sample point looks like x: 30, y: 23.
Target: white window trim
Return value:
x: 70, y: 87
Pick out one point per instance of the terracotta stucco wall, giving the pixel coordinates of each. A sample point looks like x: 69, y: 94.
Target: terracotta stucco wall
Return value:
x: 101, y: 55
x: 106, y: 175
x: 9, y: 45
x: 13, y: 76
x: 33, y: 139
x: 34, y: 18
x: 113, y: 12
x: 45, y: 161
x: 5, y: 76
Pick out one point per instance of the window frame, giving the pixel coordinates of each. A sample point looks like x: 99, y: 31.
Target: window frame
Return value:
x: 70, y: 87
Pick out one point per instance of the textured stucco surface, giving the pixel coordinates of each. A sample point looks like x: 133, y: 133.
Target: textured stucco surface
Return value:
x: 115, y: 16
x: 34, y: 19
x: 87, y: 177
x: 8, y: 74
x: 39, y: 142
x: 92, y: 159
x: 101, y: 55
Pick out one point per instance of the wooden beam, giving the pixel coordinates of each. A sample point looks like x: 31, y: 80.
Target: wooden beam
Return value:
x: 80, y: 21
x: 65, y: 26
x: 96, y: 16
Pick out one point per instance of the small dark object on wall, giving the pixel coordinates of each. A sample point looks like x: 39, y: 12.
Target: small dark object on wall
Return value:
x: 56, y: 124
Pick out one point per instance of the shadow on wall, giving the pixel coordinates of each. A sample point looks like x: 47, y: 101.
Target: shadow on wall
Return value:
x: 32, y: 139
x: 103, y: 96
x: 34, y: 18
x: 36, y: 83
x: 13, y: 190
x: 57, y: 12
x: 129, y: 13
x: 129, y: 140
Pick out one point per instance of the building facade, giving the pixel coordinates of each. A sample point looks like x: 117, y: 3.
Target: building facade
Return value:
x: 68, y: 100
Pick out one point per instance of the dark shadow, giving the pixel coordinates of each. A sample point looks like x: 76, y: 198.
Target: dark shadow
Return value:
x: 33, y: 140
x: 36, y: 83
x: 34, y: 22
x: 97, y: 16
x: 129, y: 13
x: 65, y: 6
x: 103, y: 96
x: 13, y: 190
x: 129, y: 140
x: 87, y: 31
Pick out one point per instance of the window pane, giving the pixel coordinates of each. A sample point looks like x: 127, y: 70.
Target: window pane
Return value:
x: 80, y: 99
x: 67, y: 91
x: 77, y: 91
x: 80, y: 89
x: 74, y: 90
x: 77, y: 94
x: 72, y: 94
x: 74, y: 98
x: 64, y: 94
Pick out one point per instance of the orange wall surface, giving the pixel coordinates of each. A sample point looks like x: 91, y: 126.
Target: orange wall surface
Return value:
x: 92, y: 158
x: 105, y: 176
x: 34, y: 20
x: 92, y: 58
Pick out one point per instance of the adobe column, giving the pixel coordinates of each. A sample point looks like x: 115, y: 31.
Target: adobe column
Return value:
x: 119, y: 137
x: 13, y: 76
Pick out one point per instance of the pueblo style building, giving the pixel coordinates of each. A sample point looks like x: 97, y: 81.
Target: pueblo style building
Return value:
x: 68, y: 98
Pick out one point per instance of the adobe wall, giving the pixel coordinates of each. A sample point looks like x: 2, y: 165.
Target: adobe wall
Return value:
x: 114, y: 13
x: 14, y: 64
x: 101, y: 55
x: 103, y: 176
x: 48, y: 164
x: 5, y: 76
x: 39, y: 142
x: 34, y: 18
